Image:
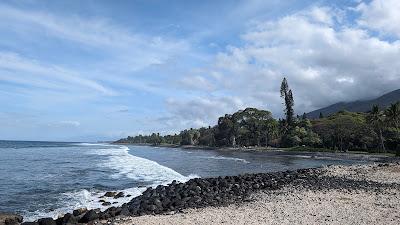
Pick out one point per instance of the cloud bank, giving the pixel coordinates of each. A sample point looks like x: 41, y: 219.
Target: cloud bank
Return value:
x: 326, y: 57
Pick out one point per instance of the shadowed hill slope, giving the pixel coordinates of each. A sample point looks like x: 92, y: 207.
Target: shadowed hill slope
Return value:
x: 357, y: 106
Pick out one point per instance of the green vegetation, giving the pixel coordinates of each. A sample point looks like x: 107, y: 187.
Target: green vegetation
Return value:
x: 375, y: 131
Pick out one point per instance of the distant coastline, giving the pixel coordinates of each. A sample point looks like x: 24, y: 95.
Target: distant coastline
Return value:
x: 299, y: 149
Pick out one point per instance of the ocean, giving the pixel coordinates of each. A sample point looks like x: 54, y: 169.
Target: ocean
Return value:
x: 46, y: 179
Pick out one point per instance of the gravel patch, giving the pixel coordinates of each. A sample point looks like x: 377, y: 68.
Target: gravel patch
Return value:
x: 291, y: 206
x: 382, y: 173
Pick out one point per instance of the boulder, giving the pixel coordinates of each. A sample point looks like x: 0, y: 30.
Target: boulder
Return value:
x: 47, y: 221
x: 10, y: 218
x: 89, y: 216
x: 79, y: 211
x: 67, y: 219
x: 110, y: 194
x: 119, y: 195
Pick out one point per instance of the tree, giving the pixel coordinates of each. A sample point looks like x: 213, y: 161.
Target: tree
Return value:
x: 392, y: 114
x: 249, y: 127
x: 345, y: 131
x: 304, y: 116
x: 376, y: 119
x: 321, y: 115
x: 287, y: 96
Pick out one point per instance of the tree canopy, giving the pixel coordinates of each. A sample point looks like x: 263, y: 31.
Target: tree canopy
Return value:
x: 342, y: 131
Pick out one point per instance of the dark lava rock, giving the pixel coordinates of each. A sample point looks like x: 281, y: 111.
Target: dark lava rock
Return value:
x: 89, y: 216
x: 10, y: 218
x: 11, y: 222
x: 119, y: 195
x: 106, y: 203
x: 110, y: 194
x: 78, y: 212
x: 47, y: 221
x: 30, y: 223
x: 67, y: 219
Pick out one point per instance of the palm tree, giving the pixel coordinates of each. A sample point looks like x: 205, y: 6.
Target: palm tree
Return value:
x: 393, y: 114
x: 376, y: 119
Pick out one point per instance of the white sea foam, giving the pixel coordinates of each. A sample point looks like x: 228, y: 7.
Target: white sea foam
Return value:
x: 299, y: 156
x: 92, y: 144
x: 125, y: 164
x: 225, y: 158
x: 83, y: 199
x: 137, y: 168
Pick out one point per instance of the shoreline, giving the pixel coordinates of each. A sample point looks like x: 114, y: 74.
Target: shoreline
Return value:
x: 358, y: 194
x: 206, y: 193
x: 376, y: 157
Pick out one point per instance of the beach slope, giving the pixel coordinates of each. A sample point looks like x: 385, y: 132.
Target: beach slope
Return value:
x: 370, y: 195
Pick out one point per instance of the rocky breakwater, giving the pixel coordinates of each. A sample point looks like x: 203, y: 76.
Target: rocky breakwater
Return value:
x: 203, y: 192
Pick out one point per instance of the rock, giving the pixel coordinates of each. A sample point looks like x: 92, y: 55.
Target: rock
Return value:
x: 89, y: 216
x: 79, y: 211
x: 47, y: 221
x: 151, y: 207
x: 106, y: 203
x: 119, y: 195
x: 68, y: 219
x: 10, y: 218
x: 110, y: 194
x: 125, y: 212
x: 30, y: 223
x: 158, y: 203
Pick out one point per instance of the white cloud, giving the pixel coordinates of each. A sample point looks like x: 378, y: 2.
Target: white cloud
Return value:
x: 324, y: 59
x: 25, y: 71
x: 196, y: 82
x: 200, y: 111
x: 122, y: 48
x: 381, y: 15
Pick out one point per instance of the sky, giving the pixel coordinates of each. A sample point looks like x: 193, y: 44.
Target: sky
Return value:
x: 98, y: 70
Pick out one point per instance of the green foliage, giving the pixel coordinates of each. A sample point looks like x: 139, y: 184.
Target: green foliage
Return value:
x: 301, y: 134
x: 392, y: 114
x: 344, y: 131
x: 376, y: 118
x: 249, y: 127
x: 287, y: 96
x: 253, y: 127
x: 190, y: 137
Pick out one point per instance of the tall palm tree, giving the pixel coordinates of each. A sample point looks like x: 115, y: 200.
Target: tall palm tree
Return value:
x: 376, y: 119
x: 393, y: 114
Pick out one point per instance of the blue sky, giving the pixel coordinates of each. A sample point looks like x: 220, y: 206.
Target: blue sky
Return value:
x: 101, y: 70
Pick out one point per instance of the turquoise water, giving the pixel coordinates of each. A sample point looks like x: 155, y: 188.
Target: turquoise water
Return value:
x: 41, y: 179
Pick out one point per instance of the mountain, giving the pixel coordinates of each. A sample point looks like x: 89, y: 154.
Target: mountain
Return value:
x: 357, y: 106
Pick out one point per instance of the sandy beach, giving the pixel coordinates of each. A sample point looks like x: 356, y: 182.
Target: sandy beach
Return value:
x: 299, y: 205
